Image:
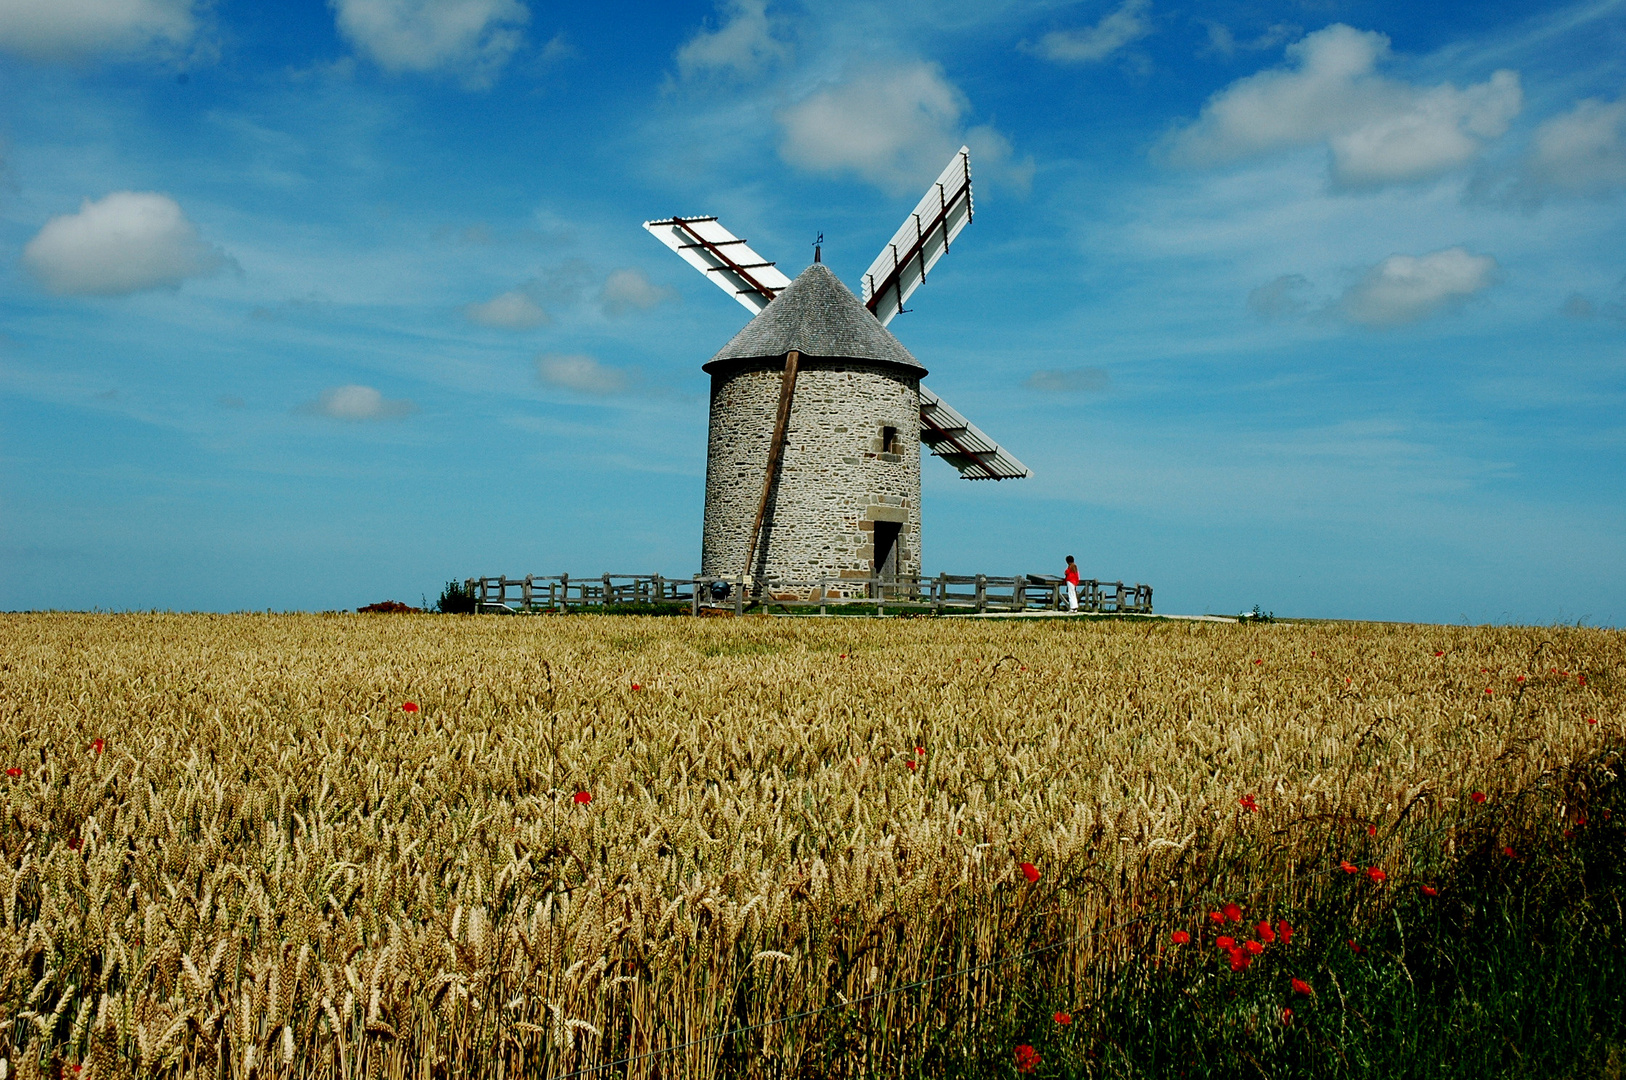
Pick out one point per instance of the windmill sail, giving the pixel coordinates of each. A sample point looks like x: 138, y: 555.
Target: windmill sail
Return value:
x: 723, y: 257
x: 923, y: 238
x: 962, y: 444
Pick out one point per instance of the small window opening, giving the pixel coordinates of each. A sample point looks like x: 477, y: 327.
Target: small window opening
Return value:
x: 889, y: 440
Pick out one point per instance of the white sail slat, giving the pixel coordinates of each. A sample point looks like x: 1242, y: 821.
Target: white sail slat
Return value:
x: 921, y: 240
x: 958, y: 441
x: 726, y: 260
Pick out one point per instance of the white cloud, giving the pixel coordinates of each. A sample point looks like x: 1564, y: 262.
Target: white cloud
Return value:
x: 357, y: 403
x: 1095, y: 43
x: 1070, y: 381
x: 894, y: 126
x: 56, y: 29
x: 1377, y: 130
x: 1409, y: 288
x: 127, y: 242
x: 511, y: 310
x: 1582, y: 152
x: 472, y: 39
x: 742, y: 47
x: 580, y: 372
x: 1444, y: 128
x: 629, y: 290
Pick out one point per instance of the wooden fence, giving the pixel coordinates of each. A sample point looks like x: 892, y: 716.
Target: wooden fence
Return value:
x: 944, y: 593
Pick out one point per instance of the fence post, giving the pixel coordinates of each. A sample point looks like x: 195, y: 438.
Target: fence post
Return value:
x: 982, y: 592
x: 694, y: 598
x: 823, y: 591
x: 878, y: 587
x: 1019, y: 593
x: 739, y: 596
x: 657, y: 590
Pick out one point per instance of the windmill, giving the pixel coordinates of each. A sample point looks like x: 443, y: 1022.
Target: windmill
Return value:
x: 818, y: 412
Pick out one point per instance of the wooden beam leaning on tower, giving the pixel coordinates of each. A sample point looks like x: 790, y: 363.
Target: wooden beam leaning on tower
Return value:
x: 776, y: 450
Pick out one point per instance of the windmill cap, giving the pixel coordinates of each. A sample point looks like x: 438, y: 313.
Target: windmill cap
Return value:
x: 819, y: 317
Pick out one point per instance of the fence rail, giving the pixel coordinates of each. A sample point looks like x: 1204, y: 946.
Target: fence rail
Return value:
x: 980, y: 593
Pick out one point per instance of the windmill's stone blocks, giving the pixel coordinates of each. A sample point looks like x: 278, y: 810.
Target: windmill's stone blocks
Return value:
x: 836, y: 479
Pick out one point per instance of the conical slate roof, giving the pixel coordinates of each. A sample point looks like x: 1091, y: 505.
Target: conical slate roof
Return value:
x: 820, y: 318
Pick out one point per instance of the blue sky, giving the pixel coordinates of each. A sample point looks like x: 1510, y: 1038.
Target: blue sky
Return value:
x: 1314, y: 305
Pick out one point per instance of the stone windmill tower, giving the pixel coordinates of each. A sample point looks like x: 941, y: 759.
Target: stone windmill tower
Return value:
x: 817, y: 411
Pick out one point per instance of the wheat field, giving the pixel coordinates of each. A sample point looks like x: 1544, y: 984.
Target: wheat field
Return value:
x: 231, y: 849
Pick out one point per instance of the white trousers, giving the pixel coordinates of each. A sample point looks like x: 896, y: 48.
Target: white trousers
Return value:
x: 1072, y: 597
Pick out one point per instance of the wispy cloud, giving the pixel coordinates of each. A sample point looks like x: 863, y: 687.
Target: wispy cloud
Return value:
x: 357, y: 403
x: 582, y: 373
x: 628, y: 290
x: 1092, y: 44
x: 1084, y: 380
x: 512, y: 310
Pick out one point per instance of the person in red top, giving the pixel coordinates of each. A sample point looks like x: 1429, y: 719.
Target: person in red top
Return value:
x: 1072, y: 585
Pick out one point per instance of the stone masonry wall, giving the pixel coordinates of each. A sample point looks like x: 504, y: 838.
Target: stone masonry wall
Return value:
x: 836, y: 481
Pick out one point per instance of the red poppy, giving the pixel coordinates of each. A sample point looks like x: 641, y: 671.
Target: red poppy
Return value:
x: 1180, y: 937
x: 1439, y: 652
x: 1027, y: 1058
x: 1580, y: 821
x: 14, y: 772
x: 1266, y: 934
x: 1429, y: 890
x: 1488, y: 690
x: 1258, y: 661
x: 584, y: 796
x: 1064, y: 1018
x: 1519, y: 679
x: 1376, y: 874
x: 1284, y: 932
x: 1348, y: 867
x: 1287, y: 1015
x: 1582, y: 678
x: 76, y: 843
x: 920, y: 751
x: 1509, y: 853
x: 1216, y: 918
x: 1302, y: 987
x: 1249, y: 804
x: 1254, y: 947
x: 911, y: 763
x: 1226, y: 942
x: 1371, y: 830
x: 1240, y: 959
x: 1030, y: 872
x: 1354, y: 948
x: 97, y: 745
x: 635, y: 686
x: 1478, y: 796
x: 1232, y: 913
x: 1592, y: 719
x: 411, y: 706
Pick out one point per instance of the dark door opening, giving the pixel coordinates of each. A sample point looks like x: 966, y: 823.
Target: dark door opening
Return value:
x: 886, y: 549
